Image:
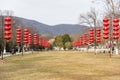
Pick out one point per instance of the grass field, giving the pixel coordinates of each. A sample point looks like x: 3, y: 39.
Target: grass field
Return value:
x: 60, y: 65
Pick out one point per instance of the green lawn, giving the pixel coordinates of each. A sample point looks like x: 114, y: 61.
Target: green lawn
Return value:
x: 60, y: 65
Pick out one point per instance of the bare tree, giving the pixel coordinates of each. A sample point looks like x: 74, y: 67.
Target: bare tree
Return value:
x: 110, y: 8
x: 91, y: 18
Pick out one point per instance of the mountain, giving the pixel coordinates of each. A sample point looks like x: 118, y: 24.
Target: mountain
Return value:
x: 53, y: 30
x: 68, y: 28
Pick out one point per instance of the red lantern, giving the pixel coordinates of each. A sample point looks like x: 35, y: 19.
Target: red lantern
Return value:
x: 7, y: 28
x: 105, y: 28
x: 35, y: 39
x: 116, y: 28
x: 85, y: 39
x: 29, y: 38
x: 45, y: 43
x: 40, y: 41
x: 26, y: 32
x: 80, y: 42
x: 91, y: 36
x: 105, y: 36
x: 98, y: 35
x: 18, y: 36
x: 48, y: 44
x: 74, y: 44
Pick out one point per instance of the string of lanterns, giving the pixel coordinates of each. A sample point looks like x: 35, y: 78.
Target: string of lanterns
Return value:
x: 106, y: 32
x: 27, y: 37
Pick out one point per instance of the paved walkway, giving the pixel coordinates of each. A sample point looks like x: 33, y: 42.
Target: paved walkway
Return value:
x: 8, y: 54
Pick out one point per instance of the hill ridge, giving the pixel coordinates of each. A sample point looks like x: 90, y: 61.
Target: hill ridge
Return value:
x: 53, y: 30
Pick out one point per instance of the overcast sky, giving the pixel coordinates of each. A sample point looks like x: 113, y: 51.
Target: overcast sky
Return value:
x: 50, y: 12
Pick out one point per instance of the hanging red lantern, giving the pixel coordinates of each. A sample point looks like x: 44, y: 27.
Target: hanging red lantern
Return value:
x: 40, y: 41
x: 116, y: 28
x: 77, y: 43
x: 85, y: 39
x: 26, y: 32
x: 7, y: 28
x: 45, y: 43
x: 74, y: 44
x: 91, y: 36
x: 29, y: 38
x: 105, y: 28
x: 98, y: 35
x: 18, y: 36
x: 80, y: 42
x: 35, y: 39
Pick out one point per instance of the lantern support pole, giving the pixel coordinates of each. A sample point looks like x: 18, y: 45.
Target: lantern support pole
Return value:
x: 108, y: 35
x: 2, y: 48
x: 4, y: 43
x: 95, y: 39
x: 32, y: 43
x: 18, y: 48
x: 111, y: 40
x: 38, y: 44
x: 22, y: 40
x: 117, y: 47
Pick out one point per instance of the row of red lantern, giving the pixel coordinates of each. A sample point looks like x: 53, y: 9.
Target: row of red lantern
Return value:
x: 83, y: 40
x: 43, y: 43
x: 7, y: 28
x: 27, y: 38
x: 80, y: 40
x: 98, y: 39
x: 40, y: 41
x: 18, y: 36
x: 76, y: 43
x: 35, y: 39
x: 91, y: 36
x: 107, y: 29
x: 30, y: 39
x: 98, y: 35
x: 116, y: 29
